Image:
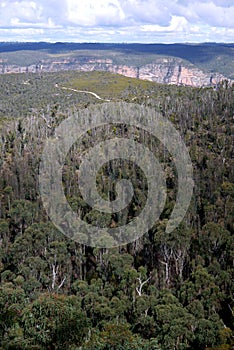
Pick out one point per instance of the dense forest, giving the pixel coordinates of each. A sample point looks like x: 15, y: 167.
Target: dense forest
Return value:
x: 164, y: 291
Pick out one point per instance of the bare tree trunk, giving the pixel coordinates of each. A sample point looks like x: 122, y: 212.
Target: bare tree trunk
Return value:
x: 141, y: 284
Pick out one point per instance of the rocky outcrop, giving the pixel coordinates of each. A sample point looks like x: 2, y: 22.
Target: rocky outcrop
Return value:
x: 167, y: 70
x: 170, y: 71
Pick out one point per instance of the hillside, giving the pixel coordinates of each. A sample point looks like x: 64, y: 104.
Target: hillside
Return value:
x: 162, y: 291
x: 26, y: 94
x: 180, y: 64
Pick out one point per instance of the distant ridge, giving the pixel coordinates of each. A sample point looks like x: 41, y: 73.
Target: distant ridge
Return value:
x: 204, y: 63
x: 182, y: 50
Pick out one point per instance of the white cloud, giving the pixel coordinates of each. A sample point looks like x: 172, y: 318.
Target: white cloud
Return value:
x: 119, y: 20
x: 215, y: 15
x: 25, y: 11
x: 177, y: 24
x: 147, y: 11
x: 89, y: 12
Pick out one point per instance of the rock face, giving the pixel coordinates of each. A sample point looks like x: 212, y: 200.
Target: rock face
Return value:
x: 167, y: 70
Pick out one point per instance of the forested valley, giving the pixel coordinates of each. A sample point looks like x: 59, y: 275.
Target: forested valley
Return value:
x: 164, y: 291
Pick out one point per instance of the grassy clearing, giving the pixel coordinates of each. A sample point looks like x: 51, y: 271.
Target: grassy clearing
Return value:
x: 108, y: 85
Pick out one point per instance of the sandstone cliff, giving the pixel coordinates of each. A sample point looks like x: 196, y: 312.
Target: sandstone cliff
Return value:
x: 166, y: 70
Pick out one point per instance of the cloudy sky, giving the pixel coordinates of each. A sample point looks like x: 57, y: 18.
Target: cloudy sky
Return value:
x: 164, y: 21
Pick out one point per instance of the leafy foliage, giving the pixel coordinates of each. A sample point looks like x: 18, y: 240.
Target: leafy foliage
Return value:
x: 163, y: 291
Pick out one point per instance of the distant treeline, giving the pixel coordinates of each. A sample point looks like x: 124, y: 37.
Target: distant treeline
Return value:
x: 189, y: 52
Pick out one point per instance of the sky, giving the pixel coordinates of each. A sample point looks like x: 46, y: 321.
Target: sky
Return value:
x: 143, y: 21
